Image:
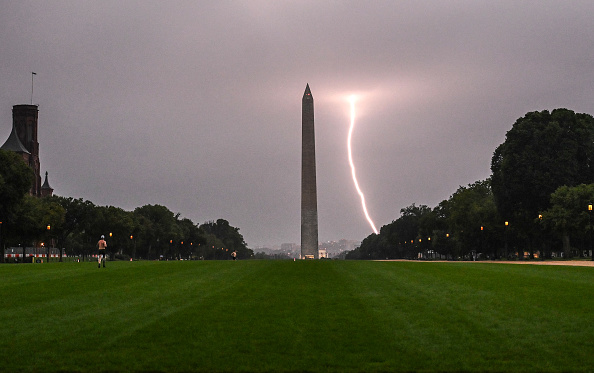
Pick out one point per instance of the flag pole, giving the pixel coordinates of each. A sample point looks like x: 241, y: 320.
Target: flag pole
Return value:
x: 32, y: 74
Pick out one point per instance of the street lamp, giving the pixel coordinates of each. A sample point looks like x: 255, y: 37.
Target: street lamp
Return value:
x: 49, y: 227
x: 590, y: 220
x: 482, y: 242
x: 133, y: 247
x: 505, y: 237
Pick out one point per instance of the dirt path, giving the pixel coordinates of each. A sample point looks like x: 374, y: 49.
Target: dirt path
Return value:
x: 577, y: 263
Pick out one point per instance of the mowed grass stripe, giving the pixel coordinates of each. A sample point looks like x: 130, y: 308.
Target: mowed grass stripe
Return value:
x: 295, y: 316
x: 86, y: 318
x: 467, y: 316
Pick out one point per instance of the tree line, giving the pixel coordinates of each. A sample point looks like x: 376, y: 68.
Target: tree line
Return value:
x: 538, y: 200
x: 148, y: 232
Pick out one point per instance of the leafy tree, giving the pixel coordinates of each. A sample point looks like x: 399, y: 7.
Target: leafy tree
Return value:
x: 160, y: 230
x: 373, y: 246
x: 398, y: 239
x: 467, y: 221
x: 541, y: 152
x: 32, y: 219
x: 77, y: 220
x: 192, y: 239
x: 472, y: 220
x: 230, y: 238
x: 568, y: 215
x: 409, y: 229
x: 15, y: 181
x: 443, y: 241
x: 120, y: 225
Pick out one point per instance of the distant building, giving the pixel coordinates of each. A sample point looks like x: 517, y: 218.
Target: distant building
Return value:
x: 289, y: 247
x: 23, y: 141
x: 335, y: 249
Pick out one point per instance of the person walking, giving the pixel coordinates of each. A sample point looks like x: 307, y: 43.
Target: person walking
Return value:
x: 234, y: 255
x: 101, y: 245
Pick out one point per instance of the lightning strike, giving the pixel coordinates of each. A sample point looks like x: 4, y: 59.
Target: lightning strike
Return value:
x: 352, y: 101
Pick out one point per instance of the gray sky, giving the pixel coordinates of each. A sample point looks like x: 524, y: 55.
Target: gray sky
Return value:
x: 196, y: 105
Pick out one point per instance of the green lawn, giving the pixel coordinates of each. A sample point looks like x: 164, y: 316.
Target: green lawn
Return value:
x: 296, y: 316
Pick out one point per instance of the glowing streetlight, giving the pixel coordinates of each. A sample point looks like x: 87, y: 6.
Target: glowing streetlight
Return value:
x: 48, y: 228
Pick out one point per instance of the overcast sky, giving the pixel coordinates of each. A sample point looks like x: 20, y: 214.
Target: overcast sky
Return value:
x: 196, y: 105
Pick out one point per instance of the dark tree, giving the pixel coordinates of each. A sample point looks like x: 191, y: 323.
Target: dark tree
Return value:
x: 569, y: 216
x: 541, y: 152
x: 472, y: 220
x: 229, y: 237
x: 15, y: 181
x: 160, y: 231
x: 78, y: 219
x: 31, y: 221
x: 398, y: 239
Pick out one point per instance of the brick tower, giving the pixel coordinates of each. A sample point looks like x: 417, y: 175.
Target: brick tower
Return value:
x: 309, y: 199
x: 23, y: 140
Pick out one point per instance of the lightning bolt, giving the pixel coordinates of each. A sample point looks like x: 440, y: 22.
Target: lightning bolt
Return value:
x: 352, y: 101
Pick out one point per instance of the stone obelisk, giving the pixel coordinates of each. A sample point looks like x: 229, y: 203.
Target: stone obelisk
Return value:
x: 309, y: 199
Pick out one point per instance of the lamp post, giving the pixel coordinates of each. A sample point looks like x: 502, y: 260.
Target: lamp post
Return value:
x: 49, y: 227
x: 541, y: 251
x: 505, y: 238
x: 590, y: 226
x: 482, y: 242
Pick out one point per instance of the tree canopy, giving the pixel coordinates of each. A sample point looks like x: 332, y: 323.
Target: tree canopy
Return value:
x: 15, y: 181
x: 541, y: 152
x: 149, y: 232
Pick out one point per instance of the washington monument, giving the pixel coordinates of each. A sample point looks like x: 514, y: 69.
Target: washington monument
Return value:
x: 309, y: 199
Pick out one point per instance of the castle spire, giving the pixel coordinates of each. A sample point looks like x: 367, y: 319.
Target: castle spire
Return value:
x: 46, y: 189
x: 13, y: 143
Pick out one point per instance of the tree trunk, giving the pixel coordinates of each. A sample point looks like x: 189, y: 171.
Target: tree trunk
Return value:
x: 566, y: 246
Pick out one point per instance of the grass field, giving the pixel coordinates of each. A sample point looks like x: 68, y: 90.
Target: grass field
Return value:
x: 296, y: 316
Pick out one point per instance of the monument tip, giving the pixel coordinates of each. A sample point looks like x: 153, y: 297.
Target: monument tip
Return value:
x: 307, y: 92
